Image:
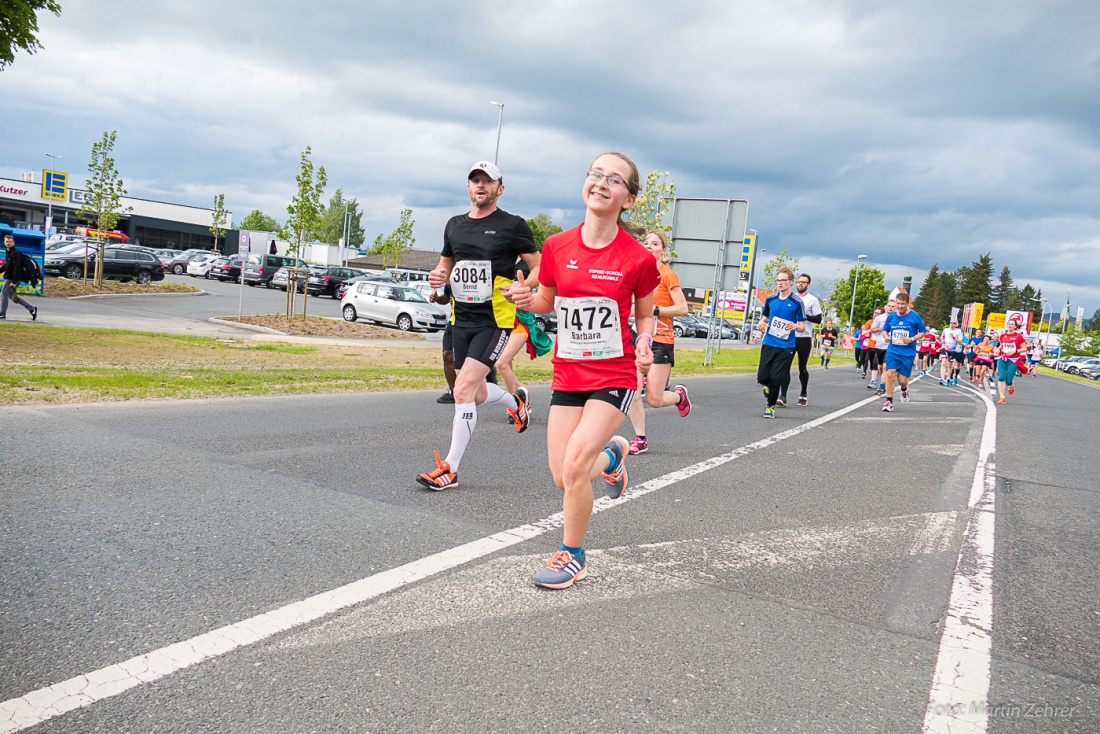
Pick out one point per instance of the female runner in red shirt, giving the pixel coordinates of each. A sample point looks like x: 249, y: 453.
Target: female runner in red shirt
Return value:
x: 592, y: 274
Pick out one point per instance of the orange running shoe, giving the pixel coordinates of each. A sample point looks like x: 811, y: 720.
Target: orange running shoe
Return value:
x: 439, y: 478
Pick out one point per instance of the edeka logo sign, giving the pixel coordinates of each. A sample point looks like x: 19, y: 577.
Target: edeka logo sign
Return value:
x: 76, y: 196
x: 5, y: 189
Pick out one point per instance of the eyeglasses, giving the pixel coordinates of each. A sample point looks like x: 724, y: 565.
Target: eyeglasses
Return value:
x: 803, y: 282
x: 611, y: 180
x: 783, y: 280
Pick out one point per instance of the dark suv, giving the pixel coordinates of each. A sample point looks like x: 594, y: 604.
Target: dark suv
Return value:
x: 327, y: 281
x: 259, y: 269
x: 120, y: 262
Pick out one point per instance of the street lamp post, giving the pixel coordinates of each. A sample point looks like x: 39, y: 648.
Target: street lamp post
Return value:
x: 49, y: 202
x: 852, y: 311
x: 344, y: 241
x: 500, y: 119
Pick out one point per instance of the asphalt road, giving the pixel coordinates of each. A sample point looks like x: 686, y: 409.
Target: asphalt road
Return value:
x: 814, y: 573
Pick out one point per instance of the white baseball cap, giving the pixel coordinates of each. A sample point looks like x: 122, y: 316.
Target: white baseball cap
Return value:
x: 489, y: 168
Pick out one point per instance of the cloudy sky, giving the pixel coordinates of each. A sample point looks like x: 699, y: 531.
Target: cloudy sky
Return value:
x: 911, y: 132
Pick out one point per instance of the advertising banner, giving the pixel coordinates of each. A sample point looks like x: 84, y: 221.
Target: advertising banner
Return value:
x: 996, y: 321
x: 1022, y: 319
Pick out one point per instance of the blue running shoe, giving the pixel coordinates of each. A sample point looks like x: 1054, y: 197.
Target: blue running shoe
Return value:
x: 769, y: 412
x: 561, y: 571
x: 615, y: 476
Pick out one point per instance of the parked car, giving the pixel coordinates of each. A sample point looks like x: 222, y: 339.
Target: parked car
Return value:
x: 326, y: 281
x: 166, y: 256
x: 61, y: 260
x: 371, y: 277
x: 548, y: 322
x: 178, y: 264
x: 64, y: 245
x: 199, y: 265
x: 61, y: 239
x: 282, y: 275
x: 1074, y: 367
x: 120, y: 262
x: 259, y: 269
x: 1091, y: 371
x: 226, y: 268
x: 688, y: 326
x: 1071, y: 361
x: 385, y: 303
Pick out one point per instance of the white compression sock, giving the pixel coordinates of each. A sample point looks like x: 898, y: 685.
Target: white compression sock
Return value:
x: 462, y: 428
x: 499, y: 396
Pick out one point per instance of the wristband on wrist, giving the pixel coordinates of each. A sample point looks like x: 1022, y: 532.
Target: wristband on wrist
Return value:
x: 647, y: 336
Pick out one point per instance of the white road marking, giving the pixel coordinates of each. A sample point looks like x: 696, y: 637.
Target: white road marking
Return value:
x: 959, y: 699
x: 84, y: 690
x: 500, y: 588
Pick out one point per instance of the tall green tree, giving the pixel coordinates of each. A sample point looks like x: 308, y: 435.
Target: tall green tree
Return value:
x: 392, y: 247
x: 19, y: 26
x: 257, y: 221
x: 218, y: 219
x: 871, y: 288
x: 332, y: 221
x: 542, y: 226
x: 1028, y: 300
x: 1093, y: 324
x: 654, y: 203
x: 1003, y: 293
x: 974, y: 282
x: 937, y: 296
x: 102, y: 196
x: 305, y: 208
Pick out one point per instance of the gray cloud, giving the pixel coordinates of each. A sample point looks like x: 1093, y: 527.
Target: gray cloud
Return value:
x: 915, y: 133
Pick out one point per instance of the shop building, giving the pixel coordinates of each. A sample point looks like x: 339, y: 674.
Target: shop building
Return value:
x: 27, y: 202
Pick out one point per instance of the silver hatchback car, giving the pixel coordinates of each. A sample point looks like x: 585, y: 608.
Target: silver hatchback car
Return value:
x: 385, y: 303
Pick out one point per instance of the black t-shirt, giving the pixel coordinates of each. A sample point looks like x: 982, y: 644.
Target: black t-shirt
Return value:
x: 828, y: 337
x: 499, y: 238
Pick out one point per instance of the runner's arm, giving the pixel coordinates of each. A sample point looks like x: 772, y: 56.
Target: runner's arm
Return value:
x: 679, y: 305
x: 442, y: 273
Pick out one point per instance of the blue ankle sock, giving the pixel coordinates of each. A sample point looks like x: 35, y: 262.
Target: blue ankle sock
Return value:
x: 579, y: 551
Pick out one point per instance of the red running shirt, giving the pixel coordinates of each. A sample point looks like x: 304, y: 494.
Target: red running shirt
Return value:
x: 622, y: 271
x: 1011, y: 345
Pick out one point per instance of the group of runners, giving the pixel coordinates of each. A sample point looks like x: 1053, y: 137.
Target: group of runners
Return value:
x: 596, y: 277
x: 599, y: 277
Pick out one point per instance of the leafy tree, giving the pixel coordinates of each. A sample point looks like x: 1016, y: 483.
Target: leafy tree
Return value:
x: 332, y: 221
x: 542, y: 226
x: 19, y: 27
x: 305, y: 208
x: 974, y: 282
x: 219, y: 218
x: 1004, y: 293
x: 257, y: 221
x: 871, y: 288
x: 102, y: 196
x: 394, y: 246
x: 653, y: 203
x: 773, y: 266
x: 1075, y: 341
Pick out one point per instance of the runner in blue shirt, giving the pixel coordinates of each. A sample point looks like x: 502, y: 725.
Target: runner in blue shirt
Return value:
x: 781, y: 318
x: 905, y: 328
